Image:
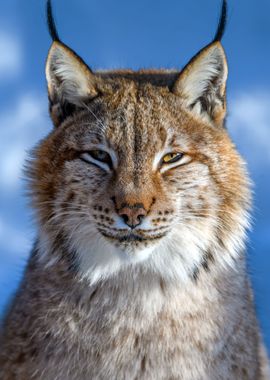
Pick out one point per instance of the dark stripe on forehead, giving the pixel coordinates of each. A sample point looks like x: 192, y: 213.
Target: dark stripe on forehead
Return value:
x: 137, y: 142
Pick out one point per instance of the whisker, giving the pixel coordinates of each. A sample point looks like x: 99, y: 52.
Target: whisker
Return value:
x: 95, y: 116
x: 65, y: 213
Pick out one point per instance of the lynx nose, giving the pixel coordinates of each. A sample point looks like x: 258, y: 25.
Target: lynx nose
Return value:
x: 132, y: 215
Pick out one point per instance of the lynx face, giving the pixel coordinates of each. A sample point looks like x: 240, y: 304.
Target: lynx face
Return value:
x: 138, y: 173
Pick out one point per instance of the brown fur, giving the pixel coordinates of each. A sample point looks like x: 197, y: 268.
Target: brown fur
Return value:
x: 169, y: 299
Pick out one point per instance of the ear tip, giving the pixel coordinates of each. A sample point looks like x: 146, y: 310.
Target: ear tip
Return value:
x: 219, y: 44
x: 56, y: 45
x: 216, y: 44
x: 56, y: 48
x: 217, y: 47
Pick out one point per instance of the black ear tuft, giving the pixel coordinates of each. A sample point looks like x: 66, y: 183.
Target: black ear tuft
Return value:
x: 222, y: 22
x: 51, y: 23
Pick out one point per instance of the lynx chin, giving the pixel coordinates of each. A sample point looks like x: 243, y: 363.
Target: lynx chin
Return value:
x: 142, y: 204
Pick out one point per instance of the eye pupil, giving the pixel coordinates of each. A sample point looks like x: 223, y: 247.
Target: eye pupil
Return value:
x: 101, y: 155
x: 171, y: 158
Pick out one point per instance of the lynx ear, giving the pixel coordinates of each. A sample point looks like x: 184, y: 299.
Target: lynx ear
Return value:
x: 202, y: 83
x: 69, y: 78
x: 70, y: 81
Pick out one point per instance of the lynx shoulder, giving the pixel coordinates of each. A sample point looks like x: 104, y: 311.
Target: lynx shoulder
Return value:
x: 142, y: 204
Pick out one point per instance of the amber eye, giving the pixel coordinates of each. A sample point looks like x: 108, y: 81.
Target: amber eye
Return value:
x: 170, y: 158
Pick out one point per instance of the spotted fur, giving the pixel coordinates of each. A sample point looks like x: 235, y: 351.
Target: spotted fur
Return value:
x: 139, y: 268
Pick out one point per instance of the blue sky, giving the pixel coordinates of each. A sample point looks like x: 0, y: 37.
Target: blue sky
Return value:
x: 133, y: 34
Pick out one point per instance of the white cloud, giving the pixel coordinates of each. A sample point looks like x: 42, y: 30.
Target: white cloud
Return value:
x: 21, y: 128
x: 13, y: 240
x: 249, y: 125
x: 11, y: 55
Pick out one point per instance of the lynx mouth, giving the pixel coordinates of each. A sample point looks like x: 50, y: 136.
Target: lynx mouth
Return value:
x: 130, y: 237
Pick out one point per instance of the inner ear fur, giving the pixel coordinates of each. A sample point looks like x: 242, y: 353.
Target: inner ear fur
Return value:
x: 202, y: 84
x: 70, y: 81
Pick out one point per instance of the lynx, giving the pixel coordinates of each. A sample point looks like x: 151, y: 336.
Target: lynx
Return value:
x: 142, y: 203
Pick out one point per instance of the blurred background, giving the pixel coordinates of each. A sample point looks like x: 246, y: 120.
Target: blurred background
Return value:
x: 131, y: 34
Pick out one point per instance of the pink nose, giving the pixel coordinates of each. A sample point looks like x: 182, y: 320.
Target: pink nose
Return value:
x: 132, y: 215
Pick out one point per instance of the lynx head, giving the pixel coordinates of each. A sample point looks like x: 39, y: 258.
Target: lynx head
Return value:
x: 139, y: 169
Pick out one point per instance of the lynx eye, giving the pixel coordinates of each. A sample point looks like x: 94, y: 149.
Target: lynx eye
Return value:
x: 170, y: 158
x: 100, y: 155
x: 98, y: 158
